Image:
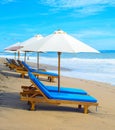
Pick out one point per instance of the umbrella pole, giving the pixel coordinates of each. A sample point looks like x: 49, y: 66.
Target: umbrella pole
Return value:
x: 59, y: 54
x: 15, y: 55
x: 38, y: 60
x: 18, y: 55
x: 25, y: 57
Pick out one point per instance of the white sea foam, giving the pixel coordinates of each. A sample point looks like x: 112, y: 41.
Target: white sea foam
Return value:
x: 102, y: 70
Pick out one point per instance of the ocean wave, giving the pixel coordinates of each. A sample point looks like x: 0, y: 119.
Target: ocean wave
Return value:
x: 99, y: 69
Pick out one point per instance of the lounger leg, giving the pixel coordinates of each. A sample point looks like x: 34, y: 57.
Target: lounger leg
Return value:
x: 23, y: 75
x: 28, y: 103
x: 85, y: 109
x: 51, y: 79
x: 32, y: 106
x: 79, y: 106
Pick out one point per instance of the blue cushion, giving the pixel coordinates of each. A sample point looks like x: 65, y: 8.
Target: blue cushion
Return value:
x: 63, y: 89
x: 72, y: 97
x: 59, y: 95
x: 39, y: 85
x: 27, y: 66
x: 9, y: 60
x: 38, y: 71
x: 66, y: 90
x: 44, y: 72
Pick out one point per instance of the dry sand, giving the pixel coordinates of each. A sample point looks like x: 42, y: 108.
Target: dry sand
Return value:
x: 14, y: 114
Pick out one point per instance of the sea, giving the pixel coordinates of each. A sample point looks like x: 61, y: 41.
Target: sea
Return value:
x: 91, y: 66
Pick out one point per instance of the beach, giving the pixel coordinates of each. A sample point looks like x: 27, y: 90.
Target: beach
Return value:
x: 14, y: 113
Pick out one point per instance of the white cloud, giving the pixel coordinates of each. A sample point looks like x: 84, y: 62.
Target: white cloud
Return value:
x: 77, y: 3
x: 94, y: 33
x: 90, y: 10
x: 101, y: 39
x: 6, y: 1
x: 81, y: 6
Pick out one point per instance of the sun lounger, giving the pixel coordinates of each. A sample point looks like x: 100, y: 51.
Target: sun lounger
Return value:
x: 55, y: 89
x: 12, y: 64
x: 9, y: 64
x: 7, y: 61
x: 51, y: 76
x: 21, y: 65
x: 45, y: 96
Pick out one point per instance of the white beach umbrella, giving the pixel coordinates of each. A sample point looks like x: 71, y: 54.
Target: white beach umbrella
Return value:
x: 17, y: 46
x: 14, y: 48
x: 59, y: 42
x: 29, y: 42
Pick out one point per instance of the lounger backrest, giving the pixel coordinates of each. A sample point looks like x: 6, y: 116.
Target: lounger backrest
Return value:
x: 48, y: 73
x: 14, y: 62
x: 20, y: 63
x: 27, y: 66
x: 39, y: 85
x: 37, y: 71
x: 9, y: 60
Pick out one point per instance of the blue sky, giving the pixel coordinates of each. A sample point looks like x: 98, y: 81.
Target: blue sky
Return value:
x: 91, y: 21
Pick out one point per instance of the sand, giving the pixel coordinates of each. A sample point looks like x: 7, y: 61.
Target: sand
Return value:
x: 14, y: 113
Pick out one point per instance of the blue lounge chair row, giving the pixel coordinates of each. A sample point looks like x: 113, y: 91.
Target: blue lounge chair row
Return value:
x: 23, y: 68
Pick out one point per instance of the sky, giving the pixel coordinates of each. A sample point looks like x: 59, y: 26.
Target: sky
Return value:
x: 91, y: 21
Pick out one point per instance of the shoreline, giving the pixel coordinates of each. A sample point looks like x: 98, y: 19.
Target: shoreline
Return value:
x: 14, y: 113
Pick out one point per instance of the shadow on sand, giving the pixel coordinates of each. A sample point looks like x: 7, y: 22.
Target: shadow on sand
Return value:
x: 12, y: 100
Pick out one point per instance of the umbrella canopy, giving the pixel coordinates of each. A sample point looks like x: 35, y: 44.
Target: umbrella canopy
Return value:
x: 59, y: 42
x: 14, y: 48
x: 29, y: 42
x: 17, y: 46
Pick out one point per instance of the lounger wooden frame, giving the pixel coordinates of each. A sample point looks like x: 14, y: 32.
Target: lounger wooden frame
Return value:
x: 39, y: 97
